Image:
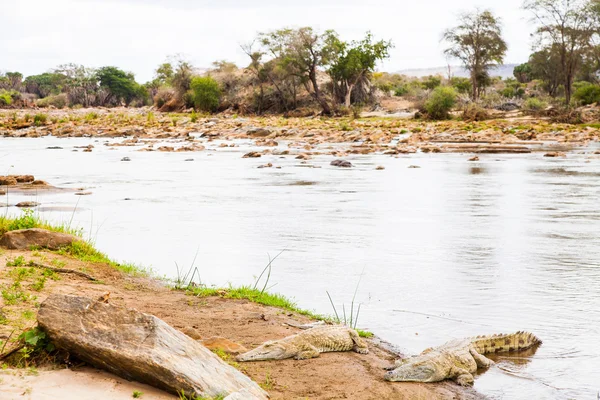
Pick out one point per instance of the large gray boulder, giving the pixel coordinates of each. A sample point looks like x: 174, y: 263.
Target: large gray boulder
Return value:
x: 25, y: 239
x: 141, y: 347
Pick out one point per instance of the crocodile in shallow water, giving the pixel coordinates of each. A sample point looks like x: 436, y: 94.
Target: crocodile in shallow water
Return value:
x: 308, y: 344
x: 458, y: 359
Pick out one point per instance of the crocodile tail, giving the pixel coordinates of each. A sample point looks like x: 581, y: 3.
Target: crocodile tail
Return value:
x: 518, y: 341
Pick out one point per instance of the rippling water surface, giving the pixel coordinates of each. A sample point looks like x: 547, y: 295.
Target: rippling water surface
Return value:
x: 451, y: 249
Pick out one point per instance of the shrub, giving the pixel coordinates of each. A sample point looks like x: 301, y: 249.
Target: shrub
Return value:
x: 462, y: 85
x: 431, y: 82
x: 58, y: 101
x: 441, y: 100
x: 401, y: 91
x: 206, y: 93
x: 587, y: 93
x: 5, y: 98
x: 474, y: 112
x: 534, y: 104
x: 39, y: 119
x: 163, y: 96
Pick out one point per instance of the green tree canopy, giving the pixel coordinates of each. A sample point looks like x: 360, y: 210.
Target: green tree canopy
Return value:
x: 121, y: 85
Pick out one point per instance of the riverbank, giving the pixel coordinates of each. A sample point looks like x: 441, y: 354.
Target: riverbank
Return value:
x: 207, y: 314
x: 305, y: 136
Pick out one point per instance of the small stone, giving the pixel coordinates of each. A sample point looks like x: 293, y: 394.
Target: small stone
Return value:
x: 54, y: 148
x: 252, y: 154
x: 413, y: 166
x: 83, y: 193
x: 380, y: 168
x: 474, y: 158
x: 38, y: 182
x: 125, y: 159
x: 189, y: 159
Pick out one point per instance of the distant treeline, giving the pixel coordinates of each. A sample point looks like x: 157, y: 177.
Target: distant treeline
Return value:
x: 293, y: 69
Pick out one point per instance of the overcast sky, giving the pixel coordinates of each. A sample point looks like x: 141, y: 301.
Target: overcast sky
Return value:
x: 137, y: 35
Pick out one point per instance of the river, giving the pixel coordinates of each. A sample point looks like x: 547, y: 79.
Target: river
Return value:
x: 448, y: 250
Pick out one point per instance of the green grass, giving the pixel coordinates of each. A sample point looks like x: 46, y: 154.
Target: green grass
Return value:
x: 80, y: 250
x: 137, y: 394
x: 256, y: 296
x: 364, y: 334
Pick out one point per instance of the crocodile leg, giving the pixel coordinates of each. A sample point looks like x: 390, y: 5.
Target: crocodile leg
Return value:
x: 461, y: 376
x: 481, y: 360
x: 309, y: 352
x: 359, y: 345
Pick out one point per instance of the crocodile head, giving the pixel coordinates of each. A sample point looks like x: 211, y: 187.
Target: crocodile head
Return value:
x: 414, y: 371
x: 270, y: 350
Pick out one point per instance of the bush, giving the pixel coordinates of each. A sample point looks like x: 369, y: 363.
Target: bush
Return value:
x: 206, y: 93
x: 441, y: 100
x: 534, y: 104
x: 587, y: 93
x: 462, y: 85
x: 163, y: 96
x: 474, y: 112
x: 5, y: 98
x: 431, y: 82
x: 400, y: 91
x: 58, y: 101
x: 39, y: 119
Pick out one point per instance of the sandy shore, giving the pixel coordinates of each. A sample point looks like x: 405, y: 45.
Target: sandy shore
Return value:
x: 331, y: 376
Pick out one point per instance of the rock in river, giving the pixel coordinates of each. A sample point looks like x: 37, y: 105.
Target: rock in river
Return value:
x: 141, y: 347
x: 24, y: 239
x: 27, y: 204
x: 341, y: 163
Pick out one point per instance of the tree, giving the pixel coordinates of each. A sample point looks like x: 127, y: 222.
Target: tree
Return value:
x: 546, y: 66
x: 206, y: 93
x: 354, y: 62
x: 477, y: 42
x: 46, y: 84
x: 301, y: 52
x: 81, y: 83
x: 121, y: 85
x: 11, y: 80
x: 568, y: 27
x: 164, y: 73
x: 522, y: 73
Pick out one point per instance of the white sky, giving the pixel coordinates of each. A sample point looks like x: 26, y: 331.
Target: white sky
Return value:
x: 137, y: 35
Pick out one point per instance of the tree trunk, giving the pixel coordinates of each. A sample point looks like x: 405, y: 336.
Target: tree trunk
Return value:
x: 474, y: 83
x: 317, y: 93
x: 348, y: 97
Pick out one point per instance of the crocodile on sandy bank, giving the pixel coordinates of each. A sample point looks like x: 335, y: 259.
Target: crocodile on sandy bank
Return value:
x: 458, y: 359
x: 308, y: 344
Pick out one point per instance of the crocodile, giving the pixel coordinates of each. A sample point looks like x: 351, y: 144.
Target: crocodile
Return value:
x: 458, y: 359
x: 308, y: 344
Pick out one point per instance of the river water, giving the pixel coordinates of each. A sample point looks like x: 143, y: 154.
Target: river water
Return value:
x: 448, y: 250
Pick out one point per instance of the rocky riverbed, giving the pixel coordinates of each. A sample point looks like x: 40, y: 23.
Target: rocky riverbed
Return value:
x: 189, y: 132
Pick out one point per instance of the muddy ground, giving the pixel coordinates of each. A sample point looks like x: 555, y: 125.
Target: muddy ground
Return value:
x: 331, y: 376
